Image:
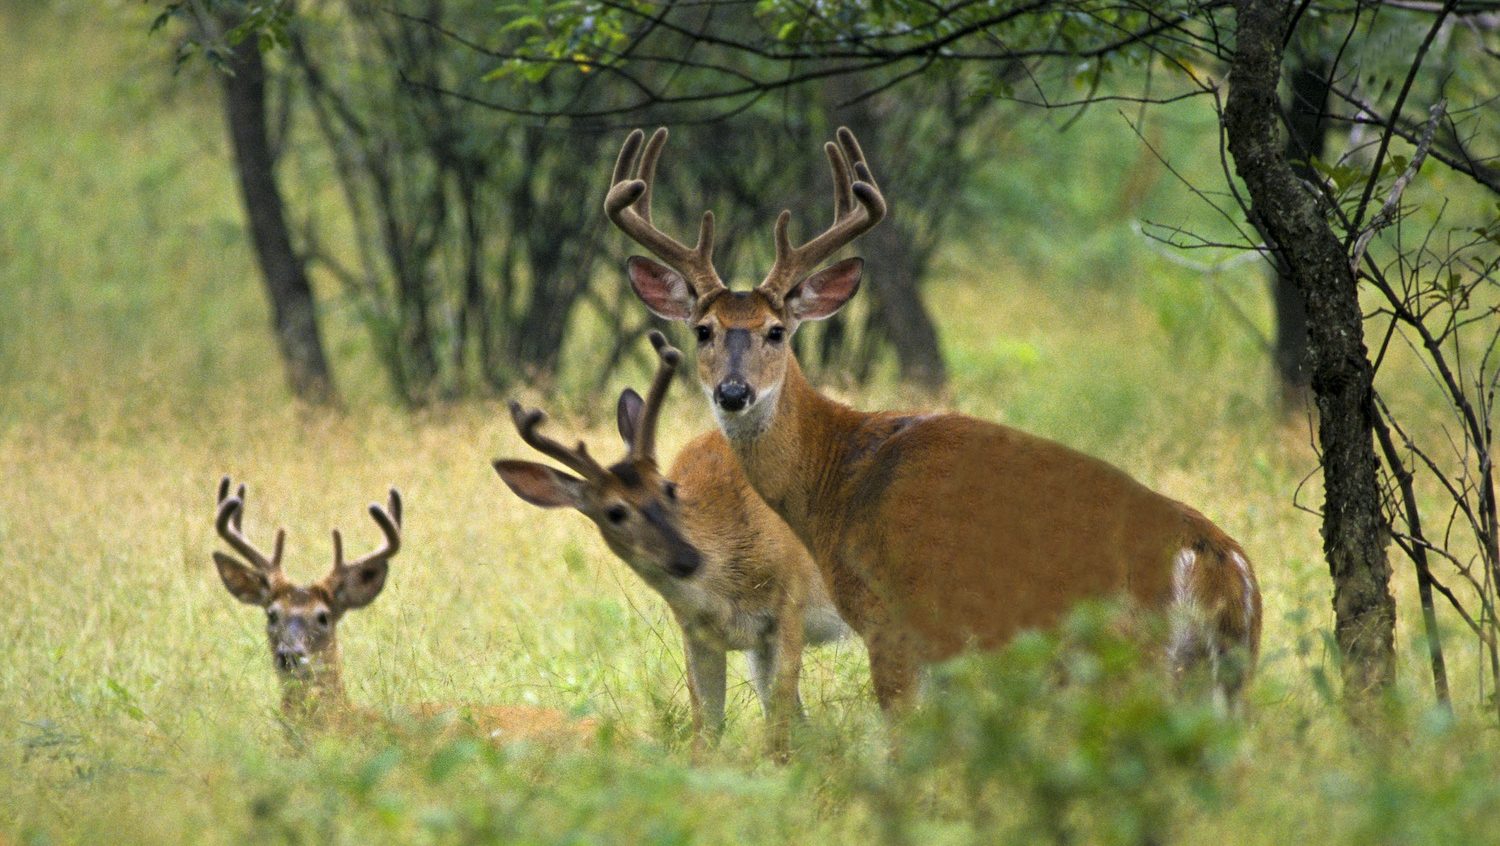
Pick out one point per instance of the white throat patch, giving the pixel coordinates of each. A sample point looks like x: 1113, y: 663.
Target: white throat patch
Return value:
x: 750, y: 423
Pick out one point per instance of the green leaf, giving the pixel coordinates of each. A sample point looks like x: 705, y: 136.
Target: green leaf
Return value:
x: 126, y: 701
x: 376, y: 769
x: 165, y: 17
x: 448, y: 759
x: 525, y: 22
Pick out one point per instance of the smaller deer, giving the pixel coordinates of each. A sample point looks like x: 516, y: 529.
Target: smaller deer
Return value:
x: 302, y: 621
x: 734, y: 575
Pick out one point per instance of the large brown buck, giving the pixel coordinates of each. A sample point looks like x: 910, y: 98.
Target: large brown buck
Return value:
x: 301, y: 630
x: 733, y: 574
x: 935, y: 532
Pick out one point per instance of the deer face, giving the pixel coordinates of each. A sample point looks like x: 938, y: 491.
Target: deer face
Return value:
x: 300, y: 629
x: 635, y: 508
x: 301, y: 619
x: 744, y: 338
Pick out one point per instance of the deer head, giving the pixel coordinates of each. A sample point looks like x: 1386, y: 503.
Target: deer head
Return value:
x: 635, y: 508
x: 743, y: 337
x: 301, y: 618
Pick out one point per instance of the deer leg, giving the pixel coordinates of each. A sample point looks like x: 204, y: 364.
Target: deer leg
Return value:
x: 768, y: 664
x: 780, y: 669
x: 760, y: 661
x: 706, y: 671
x: 893, y: 669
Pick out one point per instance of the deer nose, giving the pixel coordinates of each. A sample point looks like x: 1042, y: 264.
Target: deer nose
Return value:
x: 685, y: 563
x: 288, y: 660
x: 733, y: 395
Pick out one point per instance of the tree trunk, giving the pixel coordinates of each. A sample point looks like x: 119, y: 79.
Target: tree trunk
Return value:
x: 893, y: 271
x: 1354, y: 533
x: 293, y: 315
x: 1307, y: 133
x: 899, y: 309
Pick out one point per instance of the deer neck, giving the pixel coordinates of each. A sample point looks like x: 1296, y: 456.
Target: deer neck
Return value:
x: 320, y: 693
x: 793, y: 459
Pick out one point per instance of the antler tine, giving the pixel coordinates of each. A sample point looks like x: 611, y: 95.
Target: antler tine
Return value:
x: 647, y: 174
x: 228, y: 522
x: 625, y: 162
x: 576, y: 459
x: 628, y: 205
x: 645, y: 436
x: 857, y: 206
x: 843, y: 190
x: 390, y: 526
x: 239, y: 515
x: 394, y: 508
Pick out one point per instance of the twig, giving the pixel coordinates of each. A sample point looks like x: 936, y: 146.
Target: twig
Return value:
x: 1387, y: 214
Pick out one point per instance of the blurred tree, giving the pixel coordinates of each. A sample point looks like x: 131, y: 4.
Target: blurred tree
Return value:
x: 474, y: 240
x: 926, y: 148
x: 1307, y: 127
x: 232, y: 35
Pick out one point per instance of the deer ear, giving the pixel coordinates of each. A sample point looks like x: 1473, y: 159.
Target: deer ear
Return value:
x: 357, y: 587
x: 539, y: 484
x: 244, y: 583
x: 825, y: 292
x: 628, y: 415
x: 661, y: 288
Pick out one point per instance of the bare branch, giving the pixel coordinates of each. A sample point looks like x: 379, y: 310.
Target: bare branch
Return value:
x: 1392, y: 205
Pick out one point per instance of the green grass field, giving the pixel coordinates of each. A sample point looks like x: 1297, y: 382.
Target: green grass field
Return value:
x: 137, y: 701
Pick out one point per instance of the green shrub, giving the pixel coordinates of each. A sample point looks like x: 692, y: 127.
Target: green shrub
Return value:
x: 1076, y: 731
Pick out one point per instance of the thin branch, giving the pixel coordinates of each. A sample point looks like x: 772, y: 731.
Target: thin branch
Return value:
x: 1392, y: 205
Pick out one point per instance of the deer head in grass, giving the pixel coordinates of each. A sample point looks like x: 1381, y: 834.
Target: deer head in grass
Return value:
x: 302, y: 619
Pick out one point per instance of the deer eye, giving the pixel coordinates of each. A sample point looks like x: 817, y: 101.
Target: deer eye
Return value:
x: 616, y: 514
x: 323, y: 618
x: 670, y: 489
x: 272, y: 616
x: 776, y: 335
x: 704, y: 332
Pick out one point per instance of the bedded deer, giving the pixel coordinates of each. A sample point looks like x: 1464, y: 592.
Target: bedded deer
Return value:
x: 733, y: 574
x: 935, y: 531
x: 302, y: 621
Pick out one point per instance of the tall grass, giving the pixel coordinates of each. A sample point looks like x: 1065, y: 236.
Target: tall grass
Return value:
x: 136, y: 698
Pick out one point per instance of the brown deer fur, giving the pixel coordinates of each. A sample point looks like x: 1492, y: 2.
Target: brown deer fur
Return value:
x: 302, y: 632
x: 733, y: 574
x: 934, y: 532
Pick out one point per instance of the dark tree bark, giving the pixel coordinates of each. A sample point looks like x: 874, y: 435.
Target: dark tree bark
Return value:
x: 897, y: 307
x: 1354, y: 531
x: 1307, y: 133
x: 293, y: 315
x: 895, y: 266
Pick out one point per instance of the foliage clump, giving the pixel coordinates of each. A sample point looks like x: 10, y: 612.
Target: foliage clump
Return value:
x: 1072, y: 732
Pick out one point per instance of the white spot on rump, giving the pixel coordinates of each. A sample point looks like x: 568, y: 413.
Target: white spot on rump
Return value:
x: 1248, y: 598
x: 1192, y: 640
x: 1182, y: 575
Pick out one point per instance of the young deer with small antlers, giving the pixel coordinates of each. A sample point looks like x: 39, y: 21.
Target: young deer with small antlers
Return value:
x: 935, y: 532
x: 301, y: 623
x: 734, y: 575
